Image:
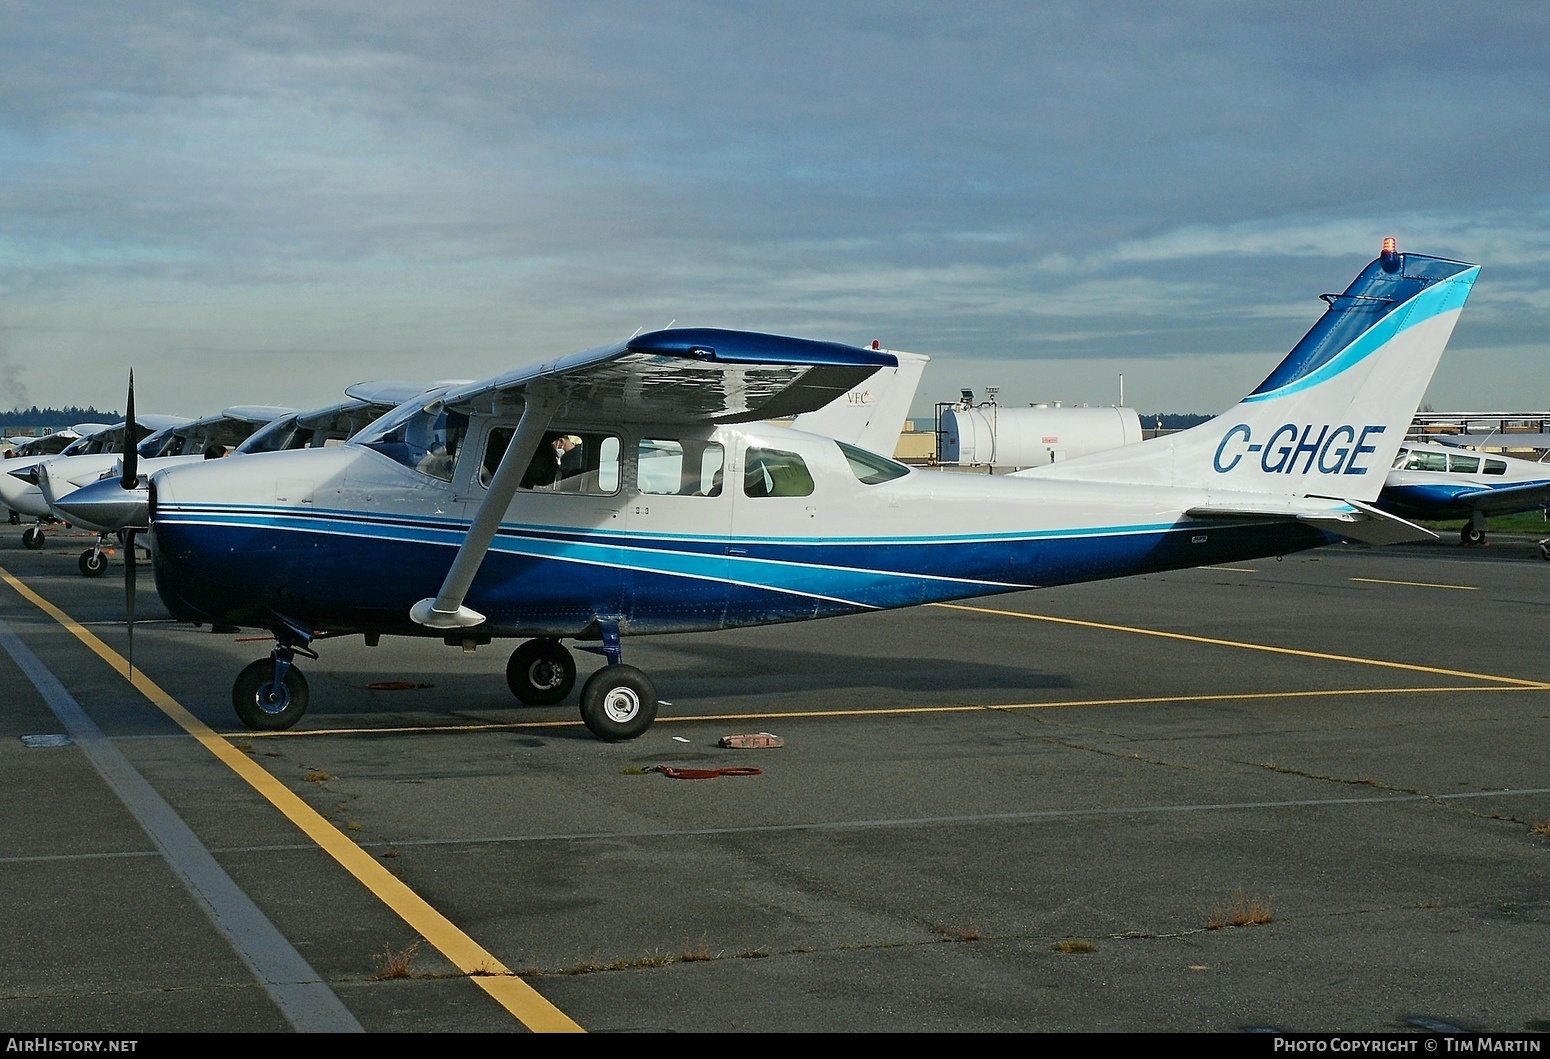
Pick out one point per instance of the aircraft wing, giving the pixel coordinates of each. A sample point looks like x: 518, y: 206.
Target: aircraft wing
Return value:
x: 1507, y: 499
x: 690, y: 375
x: 1352, y: 519
x: 256, y: 413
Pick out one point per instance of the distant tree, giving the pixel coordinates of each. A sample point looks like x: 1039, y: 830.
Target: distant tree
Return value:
x: 55, y: 418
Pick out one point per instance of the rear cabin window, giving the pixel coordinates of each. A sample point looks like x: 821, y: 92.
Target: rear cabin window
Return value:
x: 870, y: 468
x: 1464, y: 464
x: 1495, y: 466
x: 773, y: 472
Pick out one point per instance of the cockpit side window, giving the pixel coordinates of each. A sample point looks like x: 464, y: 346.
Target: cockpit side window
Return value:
x: 1464, y: 464
x: 565, y: 462
x: 1426, y: 461
x: 774, y: 472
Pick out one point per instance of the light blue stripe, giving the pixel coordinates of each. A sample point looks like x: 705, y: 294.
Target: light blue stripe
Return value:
x: 1434, y: 301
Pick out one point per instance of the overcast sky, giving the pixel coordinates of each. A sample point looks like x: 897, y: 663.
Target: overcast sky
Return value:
x: 263, y: 203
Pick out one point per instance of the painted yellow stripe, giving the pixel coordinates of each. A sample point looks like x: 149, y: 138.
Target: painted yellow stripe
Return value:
x: 511, y: 992
x: 1247, y: 646
x: 1415, y: 584
x: 906, y: 711
x: 1232, y: 569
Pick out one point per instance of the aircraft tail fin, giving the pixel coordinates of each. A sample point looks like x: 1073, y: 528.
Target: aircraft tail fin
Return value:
x: 1329, y: 420
x: 872, y: 415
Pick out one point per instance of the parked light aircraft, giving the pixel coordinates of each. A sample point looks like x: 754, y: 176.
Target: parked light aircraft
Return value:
x: 194, y: 439
x: 41, y: 447
x: 1433, y: 481
x: 107, y: 507
x: 20, y: 486
x: 449, y: 517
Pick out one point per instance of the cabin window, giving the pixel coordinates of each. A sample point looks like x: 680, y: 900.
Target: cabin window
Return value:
x: 870, y: 468
x: 565, y: 462
x: 1464, y: 464
x: 665, y: 466
x: 1495, y: 466
x: 771, y: 472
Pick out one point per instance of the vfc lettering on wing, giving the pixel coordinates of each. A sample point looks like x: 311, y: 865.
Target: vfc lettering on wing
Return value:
x: 1294, y: 449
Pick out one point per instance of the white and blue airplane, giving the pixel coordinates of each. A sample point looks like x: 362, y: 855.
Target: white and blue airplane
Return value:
x: 19, y: 485
x: 107, y: 506
x: 1443, y: 482
x: 450, y: 517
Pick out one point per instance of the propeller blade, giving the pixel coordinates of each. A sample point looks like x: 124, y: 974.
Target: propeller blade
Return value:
x: 131, y: 465
x: 129, y: 593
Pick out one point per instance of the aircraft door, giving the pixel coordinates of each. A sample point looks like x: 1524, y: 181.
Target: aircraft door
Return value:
x: 553, y: 566
x: 679, y: 519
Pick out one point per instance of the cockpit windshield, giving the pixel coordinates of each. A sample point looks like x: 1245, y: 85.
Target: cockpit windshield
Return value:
x: 425, y: 439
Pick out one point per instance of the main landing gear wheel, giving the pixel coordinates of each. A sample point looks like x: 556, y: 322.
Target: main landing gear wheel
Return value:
x: 1471, y: 535
x: 264, y: 707
x: 618, y: 702
x: 1544, y: 549
x: 32, y: 537
x: 541, y: 672
x: 92, y: 563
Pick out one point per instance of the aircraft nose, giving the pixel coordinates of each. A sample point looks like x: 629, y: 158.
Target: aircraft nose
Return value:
x: 106, y: 506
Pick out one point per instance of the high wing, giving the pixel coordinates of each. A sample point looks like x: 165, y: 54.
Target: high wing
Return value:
x: 679, y: 376
x: 688, y: 375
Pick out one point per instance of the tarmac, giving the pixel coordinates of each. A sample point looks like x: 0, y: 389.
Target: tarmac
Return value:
x: 1305, y: 796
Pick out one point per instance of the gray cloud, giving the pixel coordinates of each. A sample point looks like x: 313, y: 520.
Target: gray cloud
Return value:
x: 346, y: 188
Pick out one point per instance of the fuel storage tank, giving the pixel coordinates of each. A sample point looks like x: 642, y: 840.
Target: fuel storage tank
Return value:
x: 989, y: 435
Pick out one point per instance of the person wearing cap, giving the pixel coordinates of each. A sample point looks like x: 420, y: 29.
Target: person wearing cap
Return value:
x: 572, y: 459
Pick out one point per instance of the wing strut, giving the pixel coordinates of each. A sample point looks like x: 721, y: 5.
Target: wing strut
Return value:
x: 446, y: 610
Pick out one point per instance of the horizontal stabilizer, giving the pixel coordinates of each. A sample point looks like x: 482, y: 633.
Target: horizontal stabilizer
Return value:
x: 1351, y: 519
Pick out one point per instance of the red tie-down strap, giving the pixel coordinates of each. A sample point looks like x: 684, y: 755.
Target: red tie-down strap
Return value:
x: 703, y: 774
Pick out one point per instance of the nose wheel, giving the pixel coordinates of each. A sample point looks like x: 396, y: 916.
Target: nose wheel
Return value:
x: 270, y: 695
x: 32, y: 538
x: 92, y: 562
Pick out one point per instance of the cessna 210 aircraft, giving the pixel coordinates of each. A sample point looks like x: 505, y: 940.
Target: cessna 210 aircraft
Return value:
x: 689, y: 511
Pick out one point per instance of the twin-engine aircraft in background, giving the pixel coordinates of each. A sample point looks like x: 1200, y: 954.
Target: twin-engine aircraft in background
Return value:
x: 1434, y: 481
x: 678, y: 506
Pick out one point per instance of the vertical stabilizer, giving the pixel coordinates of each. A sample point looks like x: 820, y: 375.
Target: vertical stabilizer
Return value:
x: 872, y: 415
x: 1329, y: 419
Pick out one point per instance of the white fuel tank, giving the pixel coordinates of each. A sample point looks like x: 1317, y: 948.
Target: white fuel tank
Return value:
x: 989, y: 435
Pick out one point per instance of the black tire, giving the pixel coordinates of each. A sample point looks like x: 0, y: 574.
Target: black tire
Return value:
x: 541, y: 672
x: 250, y: 697
x: 92, y: 563
x: 618, y: 703
x: 32, y: 538
x: 1470, y: 536
x: 1544, y: 549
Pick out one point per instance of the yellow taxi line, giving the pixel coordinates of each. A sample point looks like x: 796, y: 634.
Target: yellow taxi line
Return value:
x: 1415, y: 584
x: 1248, y: 646
x: 511, y: 992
